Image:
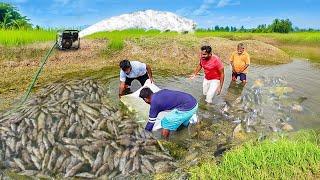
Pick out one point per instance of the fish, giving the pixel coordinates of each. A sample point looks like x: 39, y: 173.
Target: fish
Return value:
x: 147, y: 164
x: 67, y: 130
x: 123, y: 159
x: 19, y: 163
x: 102, y: 170
x: 117, y: 157
x: 74, y: 170
x: 106, y: 153
x: 85, y: 175
x: 98, y: 161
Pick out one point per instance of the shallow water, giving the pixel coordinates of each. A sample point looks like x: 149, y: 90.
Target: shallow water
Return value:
x: 300, y: 76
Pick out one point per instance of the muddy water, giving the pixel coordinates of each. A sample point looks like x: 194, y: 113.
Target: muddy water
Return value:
x: 289, y: 94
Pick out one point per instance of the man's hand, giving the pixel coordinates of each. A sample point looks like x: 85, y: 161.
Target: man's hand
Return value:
x: 192, y: 76
x: 165, y: 133
x: 219, y: 90
x: 151, y: 80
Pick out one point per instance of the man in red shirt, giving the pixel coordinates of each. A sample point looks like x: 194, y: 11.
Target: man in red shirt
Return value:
x: 213, y: 71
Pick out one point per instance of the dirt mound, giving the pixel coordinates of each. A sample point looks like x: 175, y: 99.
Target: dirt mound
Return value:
x: 260, y: 52
x: 181, y: 53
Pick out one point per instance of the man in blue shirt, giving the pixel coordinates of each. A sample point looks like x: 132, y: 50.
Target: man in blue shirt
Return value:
x: 131, y: 70
x: 182, y: 107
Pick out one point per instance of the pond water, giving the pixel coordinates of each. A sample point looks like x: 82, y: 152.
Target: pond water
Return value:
x: 274, y: 95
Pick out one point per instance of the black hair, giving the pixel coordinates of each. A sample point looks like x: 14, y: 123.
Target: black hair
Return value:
x: 145, y: 92
x: 208, y: 49
x: 125, y: 64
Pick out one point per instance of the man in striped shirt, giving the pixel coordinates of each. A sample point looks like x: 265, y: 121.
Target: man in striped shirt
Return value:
x: 182, y: 107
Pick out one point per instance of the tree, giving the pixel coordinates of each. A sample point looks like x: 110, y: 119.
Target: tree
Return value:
x: 281, y: 26
x: 242, y: 29
x: 11, y: 18
x: 227, y: 29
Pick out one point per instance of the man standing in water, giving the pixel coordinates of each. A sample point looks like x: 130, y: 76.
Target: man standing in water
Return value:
x: 182, y: 106
x: 214, y: 73
x: 240, y: 61
x: 131, y: 70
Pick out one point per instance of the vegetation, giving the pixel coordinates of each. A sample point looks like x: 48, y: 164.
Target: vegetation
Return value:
x: 277, y: 26
x: 116, y: 38
x: 282, y: 158
x: 16, y: 37
x: 302, y: 38
x: 296, y: 44
x: 10, y: 18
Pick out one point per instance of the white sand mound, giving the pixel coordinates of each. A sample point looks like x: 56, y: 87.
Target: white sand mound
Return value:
x: 148, y: 19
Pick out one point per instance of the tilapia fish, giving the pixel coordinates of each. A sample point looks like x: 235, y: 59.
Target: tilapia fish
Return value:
x: 70, y: 129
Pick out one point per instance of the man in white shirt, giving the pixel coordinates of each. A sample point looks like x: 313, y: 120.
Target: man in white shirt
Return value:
x: 131, y: 70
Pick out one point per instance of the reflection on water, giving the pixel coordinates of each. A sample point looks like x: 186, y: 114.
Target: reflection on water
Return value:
x: 273, y: 95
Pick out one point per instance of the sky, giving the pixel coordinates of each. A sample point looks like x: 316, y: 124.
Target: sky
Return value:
x: 206, y: 13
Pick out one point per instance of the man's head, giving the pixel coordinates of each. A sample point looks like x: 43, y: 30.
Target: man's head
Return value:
x: 125, y: 66
x: 146, y: 94
x: 240, y: 48
x: 206, y: 52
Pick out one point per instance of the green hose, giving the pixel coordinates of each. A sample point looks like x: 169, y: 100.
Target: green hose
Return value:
x: 35, y: 78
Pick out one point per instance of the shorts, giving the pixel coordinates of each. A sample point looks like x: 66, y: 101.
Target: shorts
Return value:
x: 142, y: 79
x: 175, y: 118
x: 243, y: 76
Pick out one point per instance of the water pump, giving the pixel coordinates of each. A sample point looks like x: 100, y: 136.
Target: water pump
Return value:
x: 68, y: 39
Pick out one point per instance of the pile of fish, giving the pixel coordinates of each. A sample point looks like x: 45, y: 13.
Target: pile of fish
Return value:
x: 266, y: 105
x: 69, y: 130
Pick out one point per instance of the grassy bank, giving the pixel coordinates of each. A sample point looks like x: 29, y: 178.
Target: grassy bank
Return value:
x: 116, y: 39
x: 297, y: 44
x: 296, y: 157
x: 21, y: 37
x: 302, y: 38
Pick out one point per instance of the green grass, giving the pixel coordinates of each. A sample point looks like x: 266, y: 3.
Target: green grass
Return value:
x: 116, y: 38
x: 285, y: 158
x: 296, y: 44
x: 22, y: 37
x: 306, y: 38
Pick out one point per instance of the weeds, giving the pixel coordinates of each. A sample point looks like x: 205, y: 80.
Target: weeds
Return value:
x: 297, y: 157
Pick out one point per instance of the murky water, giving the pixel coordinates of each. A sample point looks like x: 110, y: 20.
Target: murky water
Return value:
x: 288, y: 94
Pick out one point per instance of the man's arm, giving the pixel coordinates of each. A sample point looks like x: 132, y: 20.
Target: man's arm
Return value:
x: 121, y: 88
x: 245, y: 67
x: 149, y: 71
x: 247, y: 63
x: 153, y: 113
x: 196, y: 71
x: 221, y: 81
x: 150, y: 124
x: 231, y: 63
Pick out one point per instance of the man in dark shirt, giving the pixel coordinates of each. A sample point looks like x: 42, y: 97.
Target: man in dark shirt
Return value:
x: 182, y: 107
